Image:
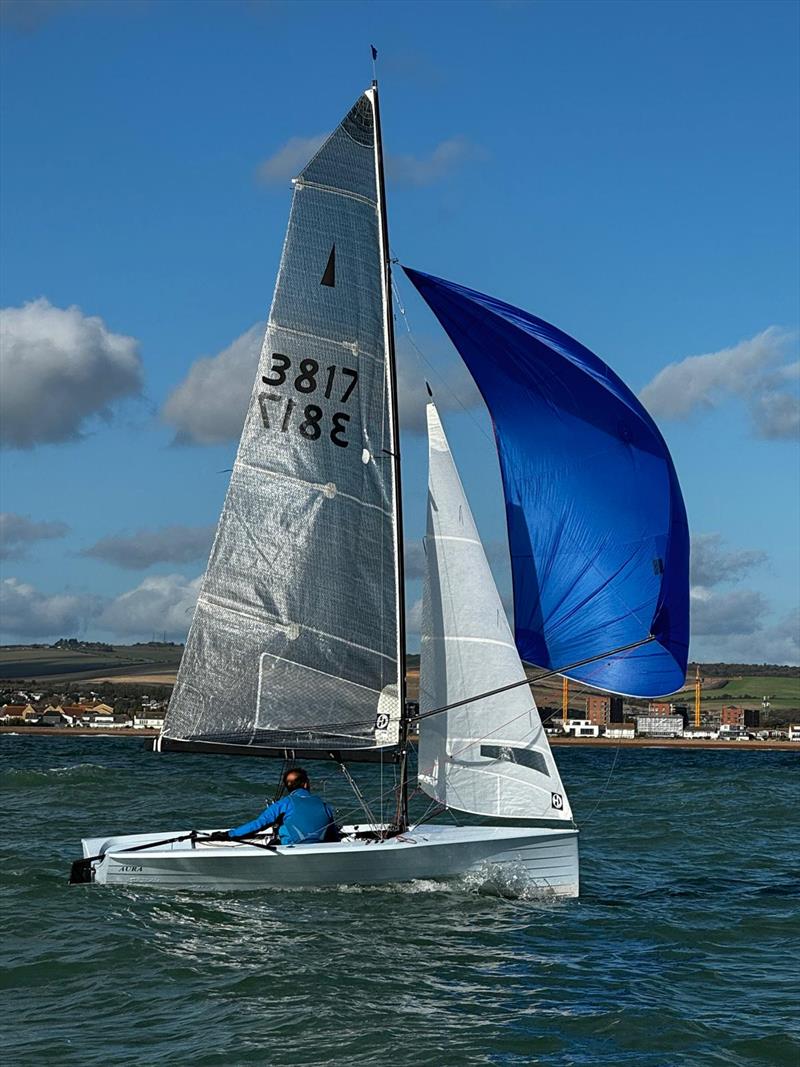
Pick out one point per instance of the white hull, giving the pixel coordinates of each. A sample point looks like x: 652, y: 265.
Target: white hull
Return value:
x: 530, y: 861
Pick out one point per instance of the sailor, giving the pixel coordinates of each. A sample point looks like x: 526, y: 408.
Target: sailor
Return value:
x: 299, y: 816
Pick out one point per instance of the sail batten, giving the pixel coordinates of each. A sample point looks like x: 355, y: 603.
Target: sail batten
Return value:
x: 294, y: 641
x: 596, y: 523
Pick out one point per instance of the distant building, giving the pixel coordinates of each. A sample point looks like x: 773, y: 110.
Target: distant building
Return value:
x: 582, y: 728
x: 151, y: 704
x: 18, y: 712
x: 616, y: 713
x: 659, y: 725
x: 93, y: 705
x: 731, y: 715
x: 659, y: 708
x: 104, y: 721
x: 621, y: 731
x: 700, y: 733
x: 55, y: 717
x: 598, y: 710
x: 794, y: 731
x: 152, y: 720
x: 683, y: 711
x: 732, y: 732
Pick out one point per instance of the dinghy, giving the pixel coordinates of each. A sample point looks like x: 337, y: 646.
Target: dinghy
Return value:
x: 297, y: 645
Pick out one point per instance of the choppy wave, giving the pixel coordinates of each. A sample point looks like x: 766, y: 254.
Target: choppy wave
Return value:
x: 74, y: 772
x: 681, y: 951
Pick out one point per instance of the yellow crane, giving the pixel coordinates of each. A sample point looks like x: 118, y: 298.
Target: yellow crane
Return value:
x: 698, y: 683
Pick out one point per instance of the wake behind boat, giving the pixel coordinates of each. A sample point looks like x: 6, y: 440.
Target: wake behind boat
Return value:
x: 297, y: 645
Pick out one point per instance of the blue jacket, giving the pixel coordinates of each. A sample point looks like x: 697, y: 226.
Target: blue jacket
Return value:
x: 306, y: 818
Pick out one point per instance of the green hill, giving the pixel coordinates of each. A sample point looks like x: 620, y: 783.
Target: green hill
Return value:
x: 83, y: 660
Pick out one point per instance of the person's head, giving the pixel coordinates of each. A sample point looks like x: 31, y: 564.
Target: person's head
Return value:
x: 295, y: 778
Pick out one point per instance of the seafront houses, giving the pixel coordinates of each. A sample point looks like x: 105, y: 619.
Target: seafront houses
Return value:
x: 93, y: 714
x: 19, y: 713
x: 620, y: 731
x: 55, y: 717
x: 105, y: 720
x: 148, y: 719
x: 581, y: 728
x: 700, y: 733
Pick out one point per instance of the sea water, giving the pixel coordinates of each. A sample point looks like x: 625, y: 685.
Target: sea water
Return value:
x: 682, y: 950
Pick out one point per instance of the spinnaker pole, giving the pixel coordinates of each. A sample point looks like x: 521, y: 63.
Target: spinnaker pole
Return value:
x: 403, y: 744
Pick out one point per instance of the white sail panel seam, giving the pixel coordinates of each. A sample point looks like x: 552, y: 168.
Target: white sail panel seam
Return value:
x: 212, y: 601
x: 452, y: 537
x: 351, y: 346
x: 324, y: 489
x: 475, y: 640
x: 301, y: 183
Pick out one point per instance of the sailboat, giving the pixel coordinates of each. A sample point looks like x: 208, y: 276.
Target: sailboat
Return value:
x: 297, y: 645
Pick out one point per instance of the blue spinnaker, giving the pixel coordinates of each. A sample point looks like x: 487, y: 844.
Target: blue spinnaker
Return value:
x: 596, y: 521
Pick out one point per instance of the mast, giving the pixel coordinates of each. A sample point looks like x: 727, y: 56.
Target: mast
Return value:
x: 402, y: 796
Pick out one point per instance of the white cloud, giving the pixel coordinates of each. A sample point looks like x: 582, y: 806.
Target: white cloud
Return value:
x: 776, y: 414
x: 26, y: 612
x: 209, y: 405
x: 447, y: 156
x: 18, y: 532
x: 778, y: 642
x: 289, y: 159
x: 170, y: 544
x: 739, y: 611
x: 160, y: 603
x: 59, y: 369
x: 163, y: 603
x: 733, y: 625
x: 754, y: 370
x: 414, y: 618
x: 712, y: 564
x: 405, y: 169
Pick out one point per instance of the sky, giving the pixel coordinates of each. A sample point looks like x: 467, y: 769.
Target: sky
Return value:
x: 627, y: 171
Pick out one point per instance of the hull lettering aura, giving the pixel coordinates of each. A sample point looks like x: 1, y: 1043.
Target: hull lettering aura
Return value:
x: 297, y: 645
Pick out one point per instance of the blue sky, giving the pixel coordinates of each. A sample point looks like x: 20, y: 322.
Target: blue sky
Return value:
x: 627, y: 171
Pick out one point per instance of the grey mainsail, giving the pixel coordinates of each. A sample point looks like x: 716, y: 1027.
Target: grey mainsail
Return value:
x: 295, y: 641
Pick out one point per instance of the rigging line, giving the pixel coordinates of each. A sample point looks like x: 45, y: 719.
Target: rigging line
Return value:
x: 431, y: 812
x: 354, y: 810
x: 533, y: 681
x: 421, y: 356
x: 359, y: 796
x: 605, y: 787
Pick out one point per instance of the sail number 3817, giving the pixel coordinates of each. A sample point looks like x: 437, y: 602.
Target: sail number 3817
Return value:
x: 279, y: 412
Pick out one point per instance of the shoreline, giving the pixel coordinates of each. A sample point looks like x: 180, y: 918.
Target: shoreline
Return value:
x: 673, y: 742
x: 575, y: 742
x: 81, y: 731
